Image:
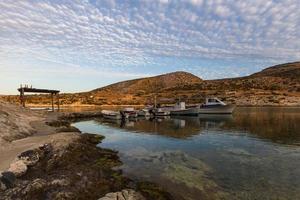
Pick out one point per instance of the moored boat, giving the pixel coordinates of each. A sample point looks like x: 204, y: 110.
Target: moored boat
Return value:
x: 109, y: 114
x: 130, y: 112
x: 180, y: 109
x: 144, y: 113
x: 215, y: 106
x: 161, y: 112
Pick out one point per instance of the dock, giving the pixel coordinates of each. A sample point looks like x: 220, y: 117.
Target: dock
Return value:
x: 24, y: 89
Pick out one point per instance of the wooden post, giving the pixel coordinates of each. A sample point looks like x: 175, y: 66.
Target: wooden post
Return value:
x: 52, y: 102
x: 22, y: 97
x: 58, y: 104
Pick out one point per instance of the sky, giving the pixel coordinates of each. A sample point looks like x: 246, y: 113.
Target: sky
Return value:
x: 79, y: 45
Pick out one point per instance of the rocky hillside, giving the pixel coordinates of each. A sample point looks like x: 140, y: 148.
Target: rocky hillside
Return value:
x: 277, y: 85
x: 289, y: 70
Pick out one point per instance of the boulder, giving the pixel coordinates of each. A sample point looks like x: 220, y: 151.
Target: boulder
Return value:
x: 126, y: 194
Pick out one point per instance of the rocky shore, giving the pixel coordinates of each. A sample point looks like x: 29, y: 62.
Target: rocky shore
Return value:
x: 63, y: 163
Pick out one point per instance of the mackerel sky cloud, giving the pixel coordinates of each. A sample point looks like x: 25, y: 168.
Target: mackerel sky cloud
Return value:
x: 78, y: 45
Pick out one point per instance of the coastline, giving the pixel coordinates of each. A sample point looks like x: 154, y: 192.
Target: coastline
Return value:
x: 34, y: 106
x: 59, y: 161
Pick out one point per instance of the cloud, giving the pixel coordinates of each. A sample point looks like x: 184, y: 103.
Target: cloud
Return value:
x: 133, y: 36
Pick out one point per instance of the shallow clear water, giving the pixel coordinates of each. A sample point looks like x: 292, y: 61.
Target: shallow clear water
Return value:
x: 253, y: 154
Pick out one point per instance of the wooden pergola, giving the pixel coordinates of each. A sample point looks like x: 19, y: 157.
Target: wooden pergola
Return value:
x: 53, y: 93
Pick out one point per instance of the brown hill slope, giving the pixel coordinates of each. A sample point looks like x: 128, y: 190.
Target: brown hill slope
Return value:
x: 277, y: 85
x: 288, y: 70
x: 151, y: 84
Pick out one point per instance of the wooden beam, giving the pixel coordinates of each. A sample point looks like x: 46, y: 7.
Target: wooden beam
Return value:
x: 36, y: 90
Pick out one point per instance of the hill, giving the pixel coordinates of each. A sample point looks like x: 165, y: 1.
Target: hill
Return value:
x: 152, y: 84
x: 289, y: 70
x: 276, y: 85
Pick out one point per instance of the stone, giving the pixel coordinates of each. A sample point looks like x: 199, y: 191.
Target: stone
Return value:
x: 126, y: 194
x: 18, y: 168
x: 60, y: 182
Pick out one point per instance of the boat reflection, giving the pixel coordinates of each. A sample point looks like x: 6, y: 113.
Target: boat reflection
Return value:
x: 177, y: 126
x: 265, y: 123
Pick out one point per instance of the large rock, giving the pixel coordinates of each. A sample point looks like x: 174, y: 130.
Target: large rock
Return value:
x: 126, y: 194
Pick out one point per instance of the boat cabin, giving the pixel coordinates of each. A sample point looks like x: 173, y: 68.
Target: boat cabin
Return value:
x: 214, y: 102
x: 179, y: 106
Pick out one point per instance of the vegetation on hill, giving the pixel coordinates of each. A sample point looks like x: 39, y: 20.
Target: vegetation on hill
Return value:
x: 277, y: 85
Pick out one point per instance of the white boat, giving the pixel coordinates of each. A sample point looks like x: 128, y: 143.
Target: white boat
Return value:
x: 130, y: 112
x: 109, y: 114
x: 161, y: 112
x: 180, y: 109
x: 144, y: 113
x: 215, y: 106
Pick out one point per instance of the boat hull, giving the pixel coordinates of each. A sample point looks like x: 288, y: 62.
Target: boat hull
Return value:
x: 162, y: 113
x: 189, y: 111
x: 226, y: 109
x: 115, y: 117
x: 143, y: 113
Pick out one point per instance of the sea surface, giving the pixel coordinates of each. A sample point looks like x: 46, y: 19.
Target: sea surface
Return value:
x: 252, y: 154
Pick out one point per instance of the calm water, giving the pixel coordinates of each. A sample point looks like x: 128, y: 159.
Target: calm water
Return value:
x: 253, y: 154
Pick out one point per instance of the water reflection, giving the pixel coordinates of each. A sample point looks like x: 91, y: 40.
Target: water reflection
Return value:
x: 280, y: 125
x: 253, y: 154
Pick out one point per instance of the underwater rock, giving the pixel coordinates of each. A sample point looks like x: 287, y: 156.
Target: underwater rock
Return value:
x: 180, y: 169
x: 68, y: 129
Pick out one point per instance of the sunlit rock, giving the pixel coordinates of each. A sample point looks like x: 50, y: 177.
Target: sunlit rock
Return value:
x: 126, y: 194
x: 18, y: 168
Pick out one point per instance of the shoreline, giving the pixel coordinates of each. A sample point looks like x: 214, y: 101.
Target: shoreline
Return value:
x: 52, y: 160
x: 134, y: 105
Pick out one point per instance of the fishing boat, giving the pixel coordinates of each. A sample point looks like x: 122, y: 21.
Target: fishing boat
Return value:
x: 109, y: 114
x: 130, y: 112
x: 180, y: 109
x: 144, y: 112
x: 161, y: 112
x: 215, y: 106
